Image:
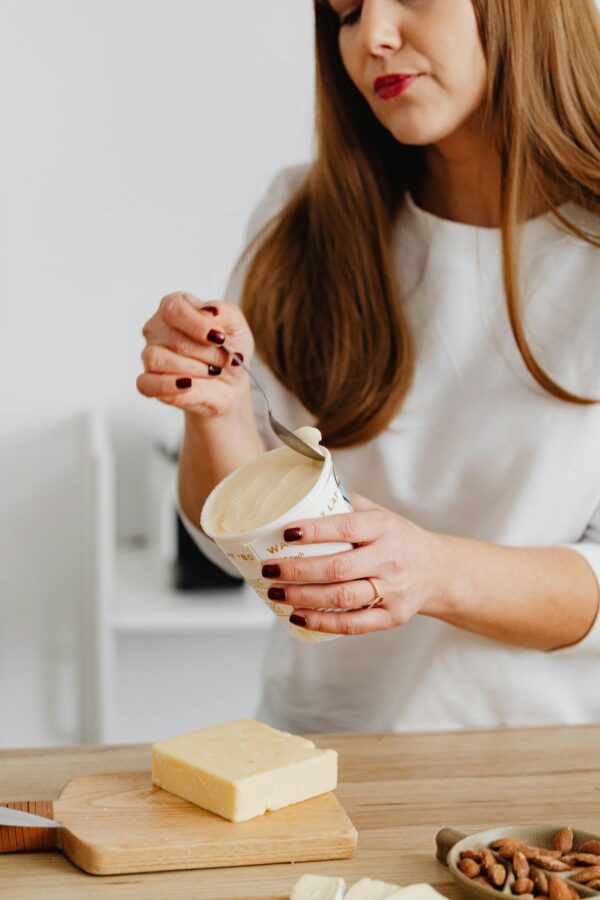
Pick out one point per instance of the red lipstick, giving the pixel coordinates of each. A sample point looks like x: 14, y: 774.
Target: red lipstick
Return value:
x: 391, y: 85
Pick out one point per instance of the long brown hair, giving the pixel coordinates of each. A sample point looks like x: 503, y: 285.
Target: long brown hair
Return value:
x: 321, y: 293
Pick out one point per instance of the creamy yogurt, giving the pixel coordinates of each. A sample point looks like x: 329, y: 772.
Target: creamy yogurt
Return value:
x: 253, y: 498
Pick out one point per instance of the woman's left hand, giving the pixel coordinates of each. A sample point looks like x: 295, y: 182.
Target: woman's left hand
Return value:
x: 402, y: 558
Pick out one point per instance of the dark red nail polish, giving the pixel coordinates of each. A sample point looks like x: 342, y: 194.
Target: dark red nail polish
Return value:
x: 217, y: 337
x: 298, y: 620
x: 211, y: 309
x: 271, y: 571
x: 184, y: 382
x: 235, y: 362
x: 214, y: 370
x: 292, y: 534
x: 276, y: 593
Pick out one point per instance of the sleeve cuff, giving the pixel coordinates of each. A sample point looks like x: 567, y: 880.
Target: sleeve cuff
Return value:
x: 590, y: 642
x: 208, y: 547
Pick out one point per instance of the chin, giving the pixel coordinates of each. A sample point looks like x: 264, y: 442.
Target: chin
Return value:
x: 418, y: 134
x: 418, y: 129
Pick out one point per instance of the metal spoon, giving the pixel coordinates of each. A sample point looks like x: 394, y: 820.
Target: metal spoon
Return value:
x: 284, y: 434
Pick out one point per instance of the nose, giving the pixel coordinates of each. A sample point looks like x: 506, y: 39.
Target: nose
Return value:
x: 380, y: 26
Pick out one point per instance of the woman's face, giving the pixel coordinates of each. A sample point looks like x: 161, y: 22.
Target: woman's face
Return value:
x: 434, y: 45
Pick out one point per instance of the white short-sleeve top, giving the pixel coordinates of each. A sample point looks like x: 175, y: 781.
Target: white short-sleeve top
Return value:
x: 480, y: 450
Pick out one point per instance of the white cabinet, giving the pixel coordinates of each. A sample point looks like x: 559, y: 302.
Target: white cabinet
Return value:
x: 155, y: 661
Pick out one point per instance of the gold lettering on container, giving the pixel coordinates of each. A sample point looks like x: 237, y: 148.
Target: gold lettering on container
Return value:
x: 277, y: 547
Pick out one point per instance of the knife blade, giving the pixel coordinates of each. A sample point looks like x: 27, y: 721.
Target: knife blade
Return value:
x: 19, y: 819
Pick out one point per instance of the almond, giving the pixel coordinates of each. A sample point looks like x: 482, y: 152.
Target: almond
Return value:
x: 488, y: 859
x: 559, y: 889
x: 523, y: 886
x: 544, y: 851
x: 520, y: 865
x: 469, y: 868
x: 573, y: 892
x: 595, y: 884
x: 583, y: 859
x: 590, y: 847
x: 479, y: 879
x: 471, y: 854
x: 563, y: 840
x: 509, y: 850
x: 582, y: 876
x: 503, y: 842
x: 550, y: 863
x: 530, y: 852
x: 497, y: 874
x: 540, y: 882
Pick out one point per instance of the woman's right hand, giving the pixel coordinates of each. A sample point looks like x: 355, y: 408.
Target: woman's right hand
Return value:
x: 183, y: 364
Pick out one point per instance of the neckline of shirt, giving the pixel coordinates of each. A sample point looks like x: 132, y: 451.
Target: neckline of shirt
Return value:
x: 447, y: 236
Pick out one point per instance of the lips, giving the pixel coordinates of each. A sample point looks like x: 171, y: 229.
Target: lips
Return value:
x: 390, y: 85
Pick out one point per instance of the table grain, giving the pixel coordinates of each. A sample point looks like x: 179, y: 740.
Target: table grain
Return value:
x: 398, y: 789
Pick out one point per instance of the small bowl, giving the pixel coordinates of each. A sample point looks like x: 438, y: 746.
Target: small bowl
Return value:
x: 451, y: 843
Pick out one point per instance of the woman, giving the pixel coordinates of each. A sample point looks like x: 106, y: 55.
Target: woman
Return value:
x: 426, y: 292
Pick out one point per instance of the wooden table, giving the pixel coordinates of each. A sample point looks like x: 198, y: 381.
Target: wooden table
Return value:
x: 398, y: 789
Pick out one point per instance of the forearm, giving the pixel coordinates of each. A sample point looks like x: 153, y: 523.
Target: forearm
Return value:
x: 212, y: 448
x: 541, y: 598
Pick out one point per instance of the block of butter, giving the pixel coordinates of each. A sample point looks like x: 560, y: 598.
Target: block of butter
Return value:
x: 318, y: 887
x: 370, y: 889
x: 417, y: 892
x: 241, y: 769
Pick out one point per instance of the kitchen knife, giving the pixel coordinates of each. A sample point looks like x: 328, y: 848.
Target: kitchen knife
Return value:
x: 20, y: 819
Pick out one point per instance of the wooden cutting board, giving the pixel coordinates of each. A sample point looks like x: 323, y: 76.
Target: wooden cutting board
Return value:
x: 121, y: 823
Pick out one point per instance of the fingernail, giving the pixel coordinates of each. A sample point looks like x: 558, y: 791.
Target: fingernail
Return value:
x: 236, y: 362
x: 271, y: 571
x: 292, y: 534
x: 217, y: 337
x: 184, y: 382
x: 276, y: 593
x: 211, y: 309
x: 298, y: 620
x: 214, y: 370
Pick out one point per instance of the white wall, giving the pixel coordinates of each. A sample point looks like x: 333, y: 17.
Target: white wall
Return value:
x: 137, y: 135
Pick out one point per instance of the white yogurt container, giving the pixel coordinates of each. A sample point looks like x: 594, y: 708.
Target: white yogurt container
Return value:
x: 249, y: 550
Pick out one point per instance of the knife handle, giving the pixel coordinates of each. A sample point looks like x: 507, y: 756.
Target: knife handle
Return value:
x: 14, y: 839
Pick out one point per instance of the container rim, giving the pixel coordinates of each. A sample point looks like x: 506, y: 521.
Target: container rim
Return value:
x: 292, y: 513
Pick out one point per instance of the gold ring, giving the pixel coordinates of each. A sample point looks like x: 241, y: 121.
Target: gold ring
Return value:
x: 377, y: 599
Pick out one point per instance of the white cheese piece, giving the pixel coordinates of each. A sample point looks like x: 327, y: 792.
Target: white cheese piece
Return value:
x: 318, y: 887
x: 417, y: 892
x: 369, y: 889
x: 241, y: 769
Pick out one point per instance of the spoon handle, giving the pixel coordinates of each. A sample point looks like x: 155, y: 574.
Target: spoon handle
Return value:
x: 284, y: 434
x: 246, y: 369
